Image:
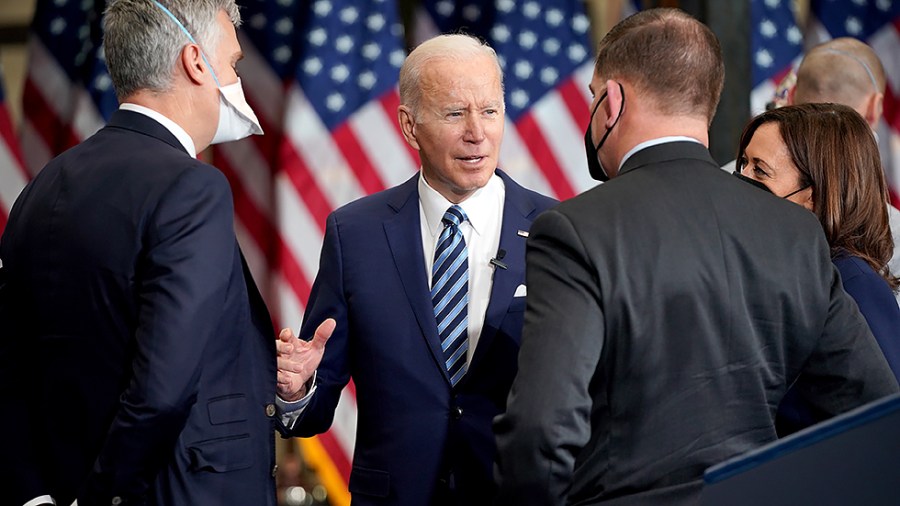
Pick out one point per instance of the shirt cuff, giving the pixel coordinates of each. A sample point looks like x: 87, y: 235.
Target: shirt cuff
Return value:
x: 38, y: 501
x: 291, y: 410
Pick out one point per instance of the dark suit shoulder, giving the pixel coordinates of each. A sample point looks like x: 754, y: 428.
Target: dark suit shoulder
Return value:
x: 853, y: 267
x: 377, y: 206
x: 687, y: 184
x: 866, y: 286
x: 128, y: 154
x: 120, y: 178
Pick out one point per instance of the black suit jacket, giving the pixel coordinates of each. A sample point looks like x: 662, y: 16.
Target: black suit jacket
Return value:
x: 416, y: 436
x: 138, y: 358
x: 668, y: 311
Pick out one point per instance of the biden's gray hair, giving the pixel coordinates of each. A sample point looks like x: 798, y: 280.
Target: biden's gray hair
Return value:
x: 456, y: 47
x: 141, y: 42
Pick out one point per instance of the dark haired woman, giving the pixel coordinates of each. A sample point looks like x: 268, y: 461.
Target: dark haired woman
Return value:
x: 824, y: 158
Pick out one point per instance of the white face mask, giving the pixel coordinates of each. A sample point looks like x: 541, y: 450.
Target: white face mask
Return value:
x: 236, y: 119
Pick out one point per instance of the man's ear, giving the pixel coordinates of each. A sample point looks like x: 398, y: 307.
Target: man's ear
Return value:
x: 613, y: 102
x: 789, y: 98
x: 408, y: 126
x: 874, y: 107
x: 192, y: 64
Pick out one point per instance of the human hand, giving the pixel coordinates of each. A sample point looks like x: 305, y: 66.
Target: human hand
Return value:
x: 298, y: 360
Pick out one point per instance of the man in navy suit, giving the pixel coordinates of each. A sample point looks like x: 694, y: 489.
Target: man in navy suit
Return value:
x: 137, y: 364
x: 426, y: 282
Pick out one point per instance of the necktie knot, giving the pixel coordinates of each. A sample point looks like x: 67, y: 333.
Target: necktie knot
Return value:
x: 454, y: 216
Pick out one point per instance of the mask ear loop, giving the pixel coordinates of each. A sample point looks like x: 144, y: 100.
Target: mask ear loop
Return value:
x: 797, y: 191
x: 191, y: 38
x: 590, y: 125
x: 616, y: 122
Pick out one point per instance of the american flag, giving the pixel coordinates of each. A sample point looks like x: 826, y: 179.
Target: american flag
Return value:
x: 68, y: 94
x: 877, y: 23
x: 12, y: 167
x: 776, y: 44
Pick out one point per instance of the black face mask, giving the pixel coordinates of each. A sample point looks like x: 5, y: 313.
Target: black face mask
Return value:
x: 757, y: 184
x: 754, y: 182
x: 594, y: 166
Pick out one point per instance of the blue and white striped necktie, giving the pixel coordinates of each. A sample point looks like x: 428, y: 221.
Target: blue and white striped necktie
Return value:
x: 450, y: 293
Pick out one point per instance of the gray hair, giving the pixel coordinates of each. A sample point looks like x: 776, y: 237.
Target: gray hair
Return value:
x: 142, y: 43
x: 456, y: 47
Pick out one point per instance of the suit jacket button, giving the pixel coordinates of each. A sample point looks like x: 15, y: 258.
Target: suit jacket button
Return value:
x: 457, y: 412
x: 116, y: 501
x: 270, y: 410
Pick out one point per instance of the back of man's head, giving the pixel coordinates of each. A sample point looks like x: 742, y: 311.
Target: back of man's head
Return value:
x: 142, y: 42
x: 669, y: 57
x: 841, y: 71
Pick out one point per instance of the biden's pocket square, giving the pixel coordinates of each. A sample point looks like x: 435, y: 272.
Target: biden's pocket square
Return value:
x: 520, y: 291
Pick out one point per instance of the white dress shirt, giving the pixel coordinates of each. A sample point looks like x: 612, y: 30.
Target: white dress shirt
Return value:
x: 484, y: 208
x: 44, y: 499
x: 656, y: 142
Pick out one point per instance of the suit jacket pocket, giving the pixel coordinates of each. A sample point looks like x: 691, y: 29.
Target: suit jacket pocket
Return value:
x: 227, y: 409
x: 517, y: 305
x: 369, y: 482
x: 222, y: 454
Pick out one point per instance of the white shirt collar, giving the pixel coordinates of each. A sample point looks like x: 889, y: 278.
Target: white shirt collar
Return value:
x: 654, y: 142
x: 170, y: 125
x: 477, y: 206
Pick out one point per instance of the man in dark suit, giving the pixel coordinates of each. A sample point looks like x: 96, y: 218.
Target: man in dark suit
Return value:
x: 138, y: 359
x: 669, y: 308
x: 426, y: 282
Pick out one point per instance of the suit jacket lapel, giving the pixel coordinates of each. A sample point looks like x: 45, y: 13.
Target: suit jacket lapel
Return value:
x: 517, y: 215
x: 404, y: 237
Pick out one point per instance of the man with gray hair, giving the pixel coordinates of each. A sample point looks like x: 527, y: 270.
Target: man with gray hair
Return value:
x: 133, y: 333
x: 426, y: 282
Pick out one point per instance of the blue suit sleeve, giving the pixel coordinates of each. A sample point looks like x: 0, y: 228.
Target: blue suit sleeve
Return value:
x: 327, y: 301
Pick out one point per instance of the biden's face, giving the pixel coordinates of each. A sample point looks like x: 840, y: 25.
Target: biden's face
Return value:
x: 459, y: 125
